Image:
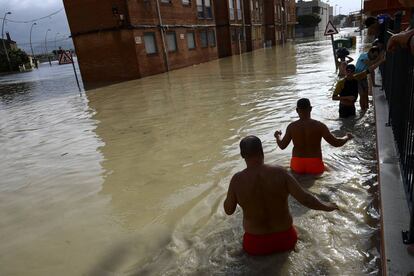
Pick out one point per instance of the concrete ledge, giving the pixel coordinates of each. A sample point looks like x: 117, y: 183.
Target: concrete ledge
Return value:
x: 395, y: 216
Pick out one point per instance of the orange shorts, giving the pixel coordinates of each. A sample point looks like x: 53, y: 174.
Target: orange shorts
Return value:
x: 270, y: 243
x: 307, y: 165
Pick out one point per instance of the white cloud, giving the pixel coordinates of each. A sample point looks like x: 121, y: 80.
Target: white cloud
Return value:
x: 30, y: 4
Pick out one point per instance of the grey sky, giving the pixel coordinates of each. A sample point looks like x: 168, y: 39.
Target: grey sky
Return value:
x: 23, y: 10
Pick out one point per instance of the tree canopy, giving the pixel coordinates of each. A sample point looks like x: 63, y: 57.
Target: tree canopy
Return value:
x: 17, y: 58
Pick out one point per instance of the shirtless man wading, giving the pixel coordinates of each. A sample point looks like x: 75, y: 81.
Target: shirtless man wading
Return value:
x: 307, y: 135
x: 262, y: 191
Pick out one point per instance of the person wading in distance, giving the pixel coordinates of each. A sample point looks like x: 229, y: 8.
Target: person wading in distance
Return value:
x: 307, y: 135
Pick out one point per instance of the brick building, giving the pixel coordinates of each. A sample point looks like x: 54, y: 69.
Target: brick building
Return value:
x: 119, y: 40
x: 230, y: 24
x: 8, y: 43
x: 290, y: 6
x: 376, y: 7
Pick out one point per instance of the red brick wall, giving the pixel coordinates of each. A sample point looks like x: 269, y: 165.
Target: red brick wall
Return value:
x: 87, y: 15
x: 106, y: 57
x: 155, y: 63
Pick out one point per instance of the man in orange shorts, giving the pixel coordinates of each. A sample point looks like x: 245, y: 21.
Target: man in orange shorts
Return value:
x: 262, y: 192
x: 307, y: 135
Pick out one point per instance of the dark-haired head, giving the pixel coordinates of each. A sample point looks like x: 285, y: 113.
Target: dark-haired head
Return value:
x: 370, y: 21
x: 374, y: 52
x: 350, y: 68
x: 303, y: 108
x: 251, y: 146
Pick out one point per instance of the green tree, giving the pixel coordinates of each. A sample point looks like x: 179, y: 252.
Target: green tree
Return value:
x: 17, y: 58
x: 309, y: 20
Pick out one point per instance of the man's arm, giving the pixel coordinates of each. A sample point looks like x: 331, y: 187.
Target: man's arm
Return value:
x: 377, y: 63
x: 306, y: 198
x: 400, y: 40
x: 349, y: 59
x: 230, y: 203
x: 283, y: 143
x: 332, y: 140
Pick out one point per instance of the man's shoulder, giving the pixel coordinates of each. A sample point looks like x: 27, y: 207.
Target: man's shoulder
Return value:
x: 317, y: 123
x: 275, y: 169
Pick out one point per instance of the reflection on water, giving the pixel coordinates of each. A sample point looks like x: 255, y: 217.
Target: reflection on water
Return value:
x: 131, y: 180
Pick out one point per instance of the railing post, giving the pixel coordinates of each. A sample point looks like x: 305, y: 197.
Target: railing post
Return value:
x: 408, y: 236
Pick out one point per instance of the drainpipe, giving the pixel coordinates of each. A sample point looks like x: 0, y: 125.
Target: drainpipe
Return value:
x: 244, y: 24
x: 167, y: 65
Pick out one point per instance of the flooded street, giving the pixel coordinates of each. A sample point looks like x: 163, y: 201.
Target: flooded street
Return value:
x: 130, y: 179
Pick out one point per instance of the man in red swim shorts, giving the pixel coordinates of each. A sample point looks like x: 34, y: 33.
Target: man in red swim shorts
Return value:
x: 262, y: 192
x: 307, y: 135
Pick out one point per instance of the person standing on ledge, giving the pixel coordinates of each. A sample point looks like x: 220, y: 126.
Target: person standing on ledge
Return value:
x: 307, y: 135
x: 262, y: 192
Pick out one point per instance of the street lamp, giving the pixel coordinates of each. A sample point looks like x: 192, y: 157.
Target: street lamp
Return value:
x: 340, y: 10
x: 55, y: 39
x: 31, y: 46
x: 336, y: 5
x: 2, y: 39
x: 48, y: 30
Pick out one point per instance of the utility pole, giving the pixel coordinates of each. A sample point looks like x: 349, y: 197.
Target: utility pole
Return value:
x: 4, y: 44
x: 47, y: 54
x: 31, y: 46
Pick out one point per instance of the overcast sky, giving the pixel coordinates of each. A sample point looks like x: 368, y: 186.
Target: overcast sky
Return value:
x: 24, y: 10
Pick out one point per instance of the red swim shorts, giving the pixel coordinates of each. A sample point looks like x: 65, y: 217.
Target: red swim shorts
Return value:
x: 270, y: 243
x: 307, y: 165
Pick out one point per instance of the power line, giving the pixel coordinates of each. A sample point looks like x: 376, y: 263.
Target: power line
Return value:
x: 33, y: 20
x: 43, y: 42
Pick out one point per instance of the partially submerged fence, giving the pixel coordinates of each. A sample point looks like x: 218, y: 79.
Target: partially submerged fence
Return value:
x: 399, y: 90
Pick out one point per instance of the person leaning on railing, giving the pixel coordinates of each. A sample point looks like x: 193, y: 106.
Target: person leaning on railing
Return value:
x: 403, y: 40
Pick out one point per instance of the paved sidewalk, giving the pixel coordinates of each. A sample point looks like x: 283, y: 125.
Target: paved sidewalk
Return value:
x: 395, y: 215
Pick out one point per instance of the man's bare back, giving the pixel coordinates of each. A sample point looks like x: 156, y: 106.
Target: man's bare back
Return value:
x: 307, y: 134
x: 263, y: 190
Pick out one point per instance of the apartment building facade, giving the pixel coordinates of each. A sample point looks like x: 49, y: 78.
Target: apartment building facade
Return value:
x: 120, y: 40
x: 320, y: 8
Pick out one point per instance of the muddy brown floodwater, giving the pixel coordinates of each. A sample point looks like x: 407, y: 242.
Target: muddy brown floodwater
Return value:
x: 130, y: 179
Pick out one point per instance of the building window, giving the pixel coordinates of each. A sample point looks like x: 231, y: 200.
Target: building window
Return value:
x: 233, y: 35
x: 238, y: 6
x: 186, y: 2
x: 207, y: 5
x: 166, y: 1
x: 203, y: 37
x: 316, y: 10
x: 237, y: 34
x: 204, y: 9
x: 150, y: 44
x: 200, y: 10
x: 171, y: 42
x: 231, y: 9
x: 191, y: 40
x: 211, y: 38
